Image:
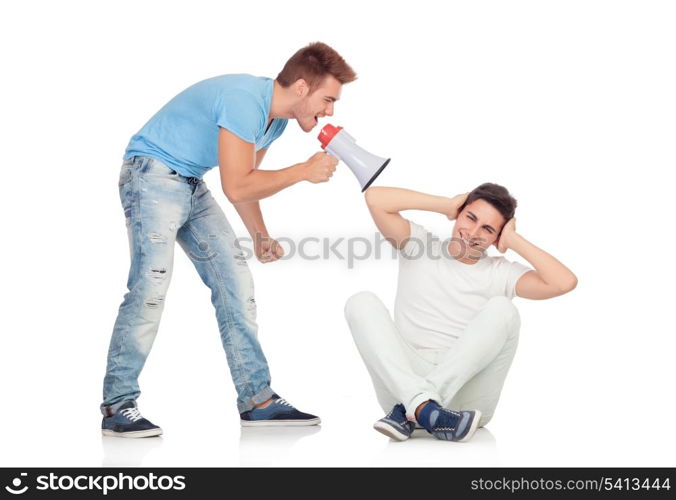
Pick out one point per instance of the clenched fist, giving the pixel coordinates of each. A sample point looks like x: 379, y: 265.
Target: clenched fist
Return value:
x: 319, y: 167
x: 268, y: 249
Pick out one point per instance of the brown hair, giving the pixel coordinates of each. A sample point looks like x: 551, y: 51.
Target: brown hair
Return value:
x: 313, y: 63
x: 496, y: 195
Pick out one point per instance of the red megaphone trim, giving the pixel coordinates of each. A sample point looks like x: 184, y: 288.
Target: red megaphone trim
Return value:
x: 327, y: 133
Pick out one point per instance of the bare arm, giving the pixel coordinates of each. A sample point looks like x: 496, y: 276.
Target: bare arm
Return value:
x: 242, y: 182
x: 266, y: 249
x: 385, y: 203
x: 250, y: 212
x: 550, y: 277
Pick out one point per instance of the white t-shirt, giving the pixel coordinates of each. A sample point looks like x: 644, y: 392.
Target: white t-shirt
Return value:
x: 438, y: 295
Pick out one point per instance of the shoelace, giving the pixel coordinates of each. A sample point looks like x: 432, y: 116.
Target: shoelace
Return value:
x: 132, y: 414
x: 284, y: 402
x: 445, y: 425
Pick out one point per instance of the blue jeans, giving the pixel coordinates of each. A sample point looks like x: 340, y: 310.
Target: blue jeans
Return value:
x: 160, y: 208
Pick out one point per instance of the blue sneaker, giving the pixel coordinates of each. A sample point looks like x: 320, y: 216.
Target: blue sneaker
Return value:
x: 129, y: 423
x: 278, y: 413
x: 395, y: 424
x: 452, y: 425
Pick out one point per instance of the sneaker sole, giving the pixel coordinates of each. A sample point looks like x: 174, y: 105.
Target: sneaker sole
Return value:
x: 280, y: 423
x: 390, y: 431
x: 472, y: 428
x: 132, y: 434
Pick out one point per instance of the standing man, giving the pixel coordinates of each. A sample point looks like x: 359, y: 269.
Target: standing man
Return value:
x: 443, y: 360
x: 229, y: 121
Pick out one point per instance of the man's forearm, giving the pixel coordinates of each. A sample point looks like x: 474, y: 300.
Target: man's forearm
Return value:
x: 259, y: 184
x: 393, y: 200
x: 252, y: 217
x: 548, y: 267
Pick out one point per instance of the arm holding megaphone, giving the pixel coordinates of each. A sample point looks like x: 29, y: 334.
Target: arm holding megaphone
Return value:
x: 242, y: 182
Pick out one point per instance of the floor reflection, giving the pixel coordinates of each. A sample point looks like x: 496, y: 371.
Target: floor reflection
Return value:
x: 127, y: 452
x: 267, y: 446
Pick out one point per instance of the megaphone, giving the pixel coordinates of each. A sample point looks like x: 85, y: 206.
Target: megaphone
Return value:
x: 364, y: 165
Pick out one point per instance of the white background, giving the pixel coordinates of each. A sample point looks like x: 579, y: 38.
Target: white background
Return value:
x: 569, y: 104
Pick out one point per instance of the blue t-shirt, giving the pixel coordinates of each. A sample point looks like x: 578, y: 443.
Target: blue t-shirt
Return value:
x: 184, y: 133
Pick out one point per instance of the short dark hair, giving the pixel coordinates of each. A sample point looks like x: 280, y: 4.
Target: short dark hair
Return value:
x: 496, y: 195
x: 313, y: 63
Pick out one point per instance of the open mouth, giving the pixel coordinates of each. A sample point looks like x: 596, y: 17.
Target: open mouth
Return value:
x: 469, y: 243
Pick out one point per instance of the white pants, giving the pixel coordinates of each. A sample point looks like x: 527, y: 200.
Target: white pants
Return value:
x: 467, y: 376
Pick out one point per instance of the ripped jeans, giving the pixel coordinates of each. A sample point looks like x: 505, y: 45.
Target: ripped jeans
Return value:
x: 160, y: 208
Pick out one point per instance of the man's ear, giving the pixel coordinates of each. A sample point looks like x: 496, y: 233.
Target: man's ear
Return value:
x: 301, y: 88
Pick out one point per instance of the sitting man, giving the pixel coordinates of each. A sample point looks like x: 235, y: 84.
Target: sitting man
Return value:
x: 443, y: 360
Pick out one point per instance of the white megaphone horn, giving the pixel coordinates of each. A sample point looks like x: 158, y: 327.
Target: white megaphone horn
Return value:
x: 364, y: 165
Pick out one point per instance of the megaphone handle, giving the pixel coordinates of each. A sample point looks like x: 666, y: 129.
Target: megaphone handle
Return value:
x: 332, y: 153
